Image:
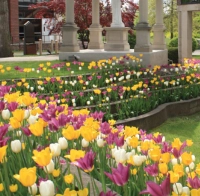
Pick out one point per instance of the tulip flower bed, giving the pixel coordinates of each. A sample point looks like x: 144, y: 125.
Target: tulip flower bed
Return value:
x: 121, y: 88
x: 39, y: 141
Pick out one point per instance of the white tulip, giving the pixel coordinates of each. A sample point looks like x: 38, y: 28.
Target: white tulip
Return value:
x: 88, y: 102
x: 32, y: 119
x: 26, y: 114
x: 19, y: 133
x: 193, y: 158
x: 63, y: 143
x: 5, y: 114
x: 16, y: 146
x: 100, y: 142
x: 120, y: 156
x: 174, y: 161
x: 91, y: 98
x: 32, y: 89
x: 186, y: 190
x: 55, y: 149
x: 191, y: 165
x: 46, y: 188
x: 84, y: 143
x: 50, y: 167
x: 33, y: 189
x: 138, y: 160
x: 178, y: 188
x: 128, y: 77
x: 187, y: 170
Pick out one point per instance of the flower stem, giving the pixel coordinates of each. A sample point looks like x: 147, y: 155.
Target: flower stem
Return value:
x: 80, y: 177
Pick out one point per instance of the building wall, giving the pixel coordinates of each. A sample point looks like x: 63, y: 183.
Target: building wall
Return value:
x: 14, y: 20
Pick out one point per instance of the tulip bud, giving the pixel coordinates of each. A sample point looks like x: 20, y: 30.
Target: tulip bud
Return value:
x: 46, y: 188
x: 16, y: 146
x: 178, y: 188
x: 55, y: 149
x: 84, y: 143
x: 33, y: 189
x: 50, y: 167
x: 5, y: 114
x: 174, y: 161
x: 63, y: 143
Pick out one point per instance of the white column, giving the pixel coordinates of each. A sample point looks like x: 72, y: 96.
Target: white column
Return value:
x: 69, y: 11
x: 143, y: 9
x: 159, y: 28
x: 95, y: 13
x: 116, y: 14
x: 143, y: 29
x: 69, y: 32
x: 95, y: 29
x: 185, y: 35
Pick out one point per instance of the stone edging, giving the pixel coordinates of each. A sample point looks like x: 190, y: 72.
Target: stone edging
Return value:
x: 159, y: 115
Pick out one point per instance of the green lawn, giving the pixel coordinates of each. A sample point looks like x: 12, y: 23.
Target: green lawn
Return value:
x: 183, y: 128
x: 13, y: 74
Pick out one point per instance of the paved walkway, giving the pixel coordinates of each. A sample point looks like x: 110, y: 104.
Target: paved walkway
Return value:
x: 31, y: 58
x: 46, y: 57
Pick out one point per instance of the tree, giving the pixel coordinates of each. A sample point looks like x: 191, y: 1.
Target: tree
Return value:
x: 5, y: 39
x: 170, y: 15
x: 55, y: 10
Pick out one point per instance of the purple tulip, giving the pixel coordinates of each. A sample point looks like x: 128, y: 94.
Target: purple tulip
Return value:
x: 109, y: 193
x: 53, y: 124
x: 194, y: 182
x: 120, y: 175
x: 105, y: 128
x: 2, y: 105
x: 26, y: 131
x: 152, y: 170
x: 158, y: 190
x: 12, y: 106
x: 3, y: 131
x: 87, y: 162
x: 178, y: 153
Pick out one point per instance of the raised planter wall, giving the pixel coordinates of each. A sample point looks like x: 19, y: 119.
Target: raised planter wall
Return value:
x: 159, y: 115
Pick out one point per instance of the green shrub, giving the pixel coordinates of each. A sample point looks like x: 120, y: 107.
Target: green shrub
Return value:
x: 173, y: 54
x: 174, y: 43
x: 132, y: 40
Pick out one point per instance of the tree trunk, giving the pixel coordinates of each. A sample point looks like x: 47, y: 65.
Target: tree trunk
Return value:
x: 5, y: 47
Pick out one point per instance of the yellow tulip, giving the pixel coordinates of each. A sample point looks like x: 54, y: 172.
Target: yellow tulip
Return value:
x: 83, y: 192
x: 174, y: 177
x: 2, y: 153
x: 36, y: 128
x: 69, y: 178
x: 43, y: 157
x: 130, y: 131
x: 70, y: 134
x: 176, y: 143
x: 27, y: 176
x: 195, y: 192
x: 155, y: 154
x: 18, y: 114
x: 69, y: 193
x: 88, y: 133
x: 75, y: 155
x: 163, y: 168
x: 186, y: 158
x: 133, y: 142
x: 165, y: 157
x: 1, y: 187
x: 179, y: 169
x: 56, y: 172
x: 15, y: 123
x: 198, y: 169
x: 13, y: 188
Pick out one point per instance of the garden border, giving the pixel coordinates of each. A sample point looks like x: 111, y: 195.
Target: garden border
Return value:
x: 159, y: 115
